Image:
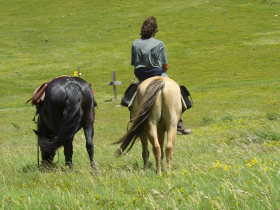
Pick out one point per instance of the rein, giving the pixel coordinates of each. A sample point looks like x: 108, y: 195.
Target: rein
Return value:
x: 36, y: 120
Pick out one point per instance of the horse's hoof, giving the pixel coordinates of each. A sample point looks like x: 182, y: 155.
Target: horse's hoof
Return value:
x: 70, y: 167
x: 46, y: 164
x: 94, y: 168
x: 94, y: 171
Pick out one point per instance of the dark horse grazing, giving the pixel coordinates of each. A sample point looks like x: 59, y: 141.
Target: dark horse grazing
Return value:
x: 67, y: 107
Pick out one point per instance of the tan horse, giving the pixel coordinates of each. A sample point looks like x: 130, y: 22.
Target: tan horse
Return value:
x: 157, y: 109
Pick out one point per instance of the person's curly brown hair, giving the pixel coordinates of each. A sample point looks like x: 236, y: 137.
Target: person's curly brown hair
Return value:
x: 148, y: 28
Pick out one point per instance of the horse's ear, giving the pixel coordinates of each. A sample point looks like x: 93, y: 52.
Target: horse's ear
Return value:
x: 36, y: 132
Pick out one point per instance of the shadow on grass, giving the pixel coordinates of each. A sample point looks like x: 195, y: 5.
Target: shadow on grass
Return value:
x: 266, y: 135
x: 206, y: 120
x: 45, y: 168
x: 30, y: 168
x: 262, y: 136
x: 227, y: 118
x: 135, y: 167
x: 272, y: 116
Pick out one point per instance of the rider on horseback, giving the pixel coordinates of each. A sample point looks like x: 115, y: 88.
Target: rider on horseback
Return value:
x: 148, y: 56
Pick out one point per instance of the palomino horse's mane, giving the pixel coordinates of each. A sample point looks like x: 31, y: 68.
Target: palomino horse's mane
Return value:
x: 138, y: 122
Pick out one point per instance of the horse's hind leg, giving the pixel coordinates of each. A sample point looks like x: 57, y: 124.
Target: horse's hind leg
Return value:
x: 89, y: 133
x: 161, y: 141
x: 171, y: 135
x: 156, y: 146
x: 68, y: 152
x: 145, y: 151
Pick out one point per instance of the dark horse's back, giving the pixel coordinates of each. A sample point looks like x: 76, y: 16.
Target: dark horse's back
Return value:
x: 68, y: 106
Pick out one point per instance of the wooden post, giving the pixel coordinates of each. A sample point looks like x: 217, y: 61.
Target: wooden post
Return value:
x: 114, y: 83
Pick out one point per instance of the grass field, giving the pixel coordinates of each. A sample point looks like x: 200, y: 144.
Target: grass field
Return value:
x: 225, y: 52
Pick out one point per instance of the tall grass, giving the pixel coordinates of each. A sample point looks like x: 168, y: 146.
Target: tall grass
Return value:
x: 225, y: 52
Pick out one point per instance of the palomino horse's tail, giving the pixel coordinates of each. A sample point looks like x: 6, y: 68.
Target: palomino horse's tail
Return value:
x: 139, y: 121
x: 71, y: 119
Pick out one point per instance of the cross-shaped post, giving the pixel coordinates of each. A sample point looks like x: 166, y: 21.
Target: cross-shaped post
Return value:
x: 114, y: 83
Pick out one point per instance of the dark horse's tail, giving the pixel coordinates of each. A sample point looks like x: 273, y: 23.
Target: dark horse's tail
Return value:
x: 71, y: 118
x: 139, y: 121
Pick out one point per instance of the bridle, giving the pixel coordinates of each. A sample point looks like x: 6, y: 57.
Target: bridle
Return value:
x: 36, y: 120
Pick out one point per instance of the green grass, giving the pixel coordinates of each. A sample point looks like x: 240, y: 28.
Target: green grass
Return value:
x: 225, y: 52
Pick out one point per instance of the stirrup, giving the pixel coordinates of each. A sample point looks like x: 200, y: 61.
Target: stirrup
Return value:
x: 129, y: 95
x: 185, y: 94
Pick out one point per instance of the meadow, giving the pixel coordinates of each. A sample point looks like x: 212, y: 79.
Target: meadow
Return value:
x: 225, y: 52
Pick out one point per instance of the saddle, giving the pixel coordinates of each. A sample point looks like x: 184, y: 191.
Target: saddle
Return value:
x: 130, y: 94
x: 39, y: 93
x: 186, y: 101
